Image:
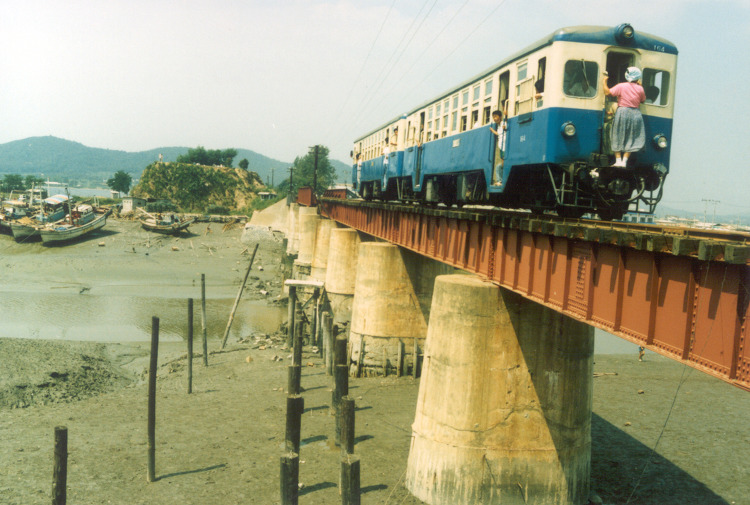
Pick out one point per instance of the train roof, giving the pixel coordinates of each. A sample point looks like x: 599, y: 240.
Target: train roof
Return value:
x: 605, y: 35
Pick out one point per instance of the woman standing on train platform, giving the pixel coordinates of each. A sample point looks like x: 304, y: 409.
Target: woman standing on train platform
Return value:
x: 628, y: 133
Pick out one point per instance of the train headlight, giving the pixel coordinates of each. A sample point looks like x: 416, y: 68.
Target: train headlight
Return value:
x: 568, y: 130
x: 660, y: 141
x: 624, y: 34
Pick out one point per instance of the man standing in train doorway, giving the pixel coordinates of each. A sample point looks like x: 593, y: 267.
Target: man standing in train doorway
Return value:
x: 498, y: 128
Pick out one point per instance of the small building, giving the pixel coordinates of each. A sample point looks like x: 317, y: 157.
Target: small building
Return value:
x: 114, y: 194
x: 266, y: 195
x: 130, y: 203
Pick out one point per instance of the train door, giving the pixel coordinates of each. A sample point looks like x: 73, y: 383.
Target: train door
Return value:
x: 418, y: 169
x: 617, y: 64
x: 502, y: 105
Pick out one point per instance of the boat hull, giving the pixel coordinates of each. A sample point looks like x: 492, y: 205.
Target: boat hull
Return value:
x: 171, y: 229
x: 51, y: 236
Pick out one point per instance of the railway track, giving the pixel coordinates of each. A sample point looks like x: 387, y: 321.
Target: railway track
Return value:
x: 712, y: 245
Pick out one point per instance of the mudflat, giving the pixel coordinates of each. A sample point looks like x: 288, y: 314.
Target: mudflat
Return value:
x: 222, y: 443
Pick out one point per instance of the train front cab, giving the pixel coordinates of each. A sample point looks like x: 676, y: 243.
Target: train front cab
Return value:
x: 554, y: 142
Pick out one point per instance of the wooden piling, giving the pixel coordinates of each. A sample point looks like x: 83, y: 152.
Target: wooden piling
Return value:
x: 289, y: 479
x: 291, y: 311
x: 360, y: 358
x: 294, y: 379
x: 327, y: 330
x: 60, y: 468
x: 346, y: 413
x: 203, y: 319
x: 339, y: 352
x: 237, y: 300
x: 350, y: 481
x: 295, y: 405
x: 297, y: 345
x: 415, y: 362
x: 385, y: 362
x: 190, y: 346
x: 400, y: 359
x: 152, y: 399
x: 314, y: 322
x: 340, y: 389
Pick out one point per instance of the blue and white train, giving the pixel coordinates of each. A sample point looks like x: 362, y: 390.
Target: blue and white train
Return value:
x: 555, y: 154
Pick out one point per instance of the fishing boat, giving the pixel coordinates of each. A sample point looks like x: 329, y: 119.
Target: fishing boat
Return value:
x: 8, y: 215
x: 27, y: 229
x: 169, y: 225
x: 81, y: 221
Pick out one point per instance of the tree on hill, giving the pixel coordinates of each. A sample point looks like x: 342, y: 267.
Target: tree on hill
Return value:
x: 120, y: 182
x: 209, y: 158
x: 12, y: 182
x: 244, y: 164
x: 31, y: 181
x: 195, y: 187
x: 304, y: 171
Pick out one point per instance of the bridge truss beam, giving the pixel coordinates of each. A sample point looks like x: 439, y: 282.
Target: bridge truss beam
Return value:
x: 683, y: 298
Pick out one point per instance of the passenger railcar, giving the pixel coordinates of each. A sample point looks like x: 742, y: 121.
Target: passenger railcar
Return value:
x: 555, y: 155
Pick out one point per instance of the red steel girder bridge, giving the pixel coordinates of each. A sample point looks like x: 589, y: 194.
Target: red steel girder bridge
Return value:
x: 683, y: 294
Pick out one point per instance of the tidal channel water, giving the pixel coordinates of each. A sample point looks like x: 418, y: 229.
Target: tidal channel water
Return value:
x: 128, y: 318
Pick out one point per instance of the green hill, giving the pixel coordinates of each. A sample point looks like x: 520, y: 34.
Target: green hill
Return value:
x: 82, y: 166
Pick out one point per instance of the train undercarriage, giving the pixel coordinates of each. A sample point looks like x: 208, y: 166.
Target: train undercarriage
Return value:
x: 571, y: 190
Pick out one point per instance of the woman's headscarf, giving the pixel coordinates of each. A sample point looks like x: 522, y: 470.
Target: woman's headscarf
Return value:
x: 633, y: 74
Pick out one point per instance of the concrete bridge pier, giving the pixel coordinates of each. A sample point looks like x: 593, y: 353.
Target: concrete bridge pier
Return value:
x: 322, y: 247
x: 308, y: 226
x: 292, y: 247
x: 504, y: 408
x: 390, y: 308
x: 341, y: 269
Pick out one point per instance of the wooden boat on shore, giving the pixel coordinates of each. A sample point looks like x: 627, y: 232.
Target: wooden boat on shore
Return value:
x: 166, y: 226
x: 83, y: 221
x: 26, y: 229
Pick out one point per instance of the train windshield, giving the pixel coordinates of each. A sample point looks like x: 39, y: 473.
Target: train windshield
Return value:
x: 656, y: 85
x: 581, y: 78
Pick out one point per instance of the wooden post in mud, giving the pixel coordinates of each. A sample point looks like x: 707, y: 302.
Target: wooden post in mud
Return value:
x: 340, y: 389
x: 295, y: 405
x: 327, y: 330
x: 415, y: 363
x: 290, y: 317
x: 237, y: 300
x: 152, y: 399
x: 294, y: 378
x: 339, y: 351
x: 289, y: 479
x: 203, y: 319
x: 350, y: 480
x: 297, y: 343
x: 346, y: 412
x: 60, y: 468
x: 190, y: 346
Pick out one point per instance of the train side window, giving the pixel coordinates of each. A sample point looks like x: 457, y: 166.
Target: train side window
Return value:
x: 488, y: 87
x: 474, y: 118
x: 656, y: 86
x: 455, y: 102
x: 580, y: 78
x: 523, y: 69
x: 540, y: 73
x: 486, y: 114
x: 454, y: 122
x: 476, y: 92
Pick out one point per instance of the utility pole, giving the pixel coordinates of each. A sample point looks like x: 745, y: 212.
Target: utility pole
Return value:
x: 289, y: 198
x: 705, y: 208
x: 315, y: 172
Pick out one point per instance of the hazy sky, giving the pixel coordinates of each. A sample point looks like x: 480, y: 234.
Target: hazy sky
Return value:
x: 279, y: 76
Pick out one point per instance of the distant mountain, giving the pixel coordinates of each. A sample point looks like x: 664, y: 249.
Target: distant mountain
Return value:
x: 79, y: 165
